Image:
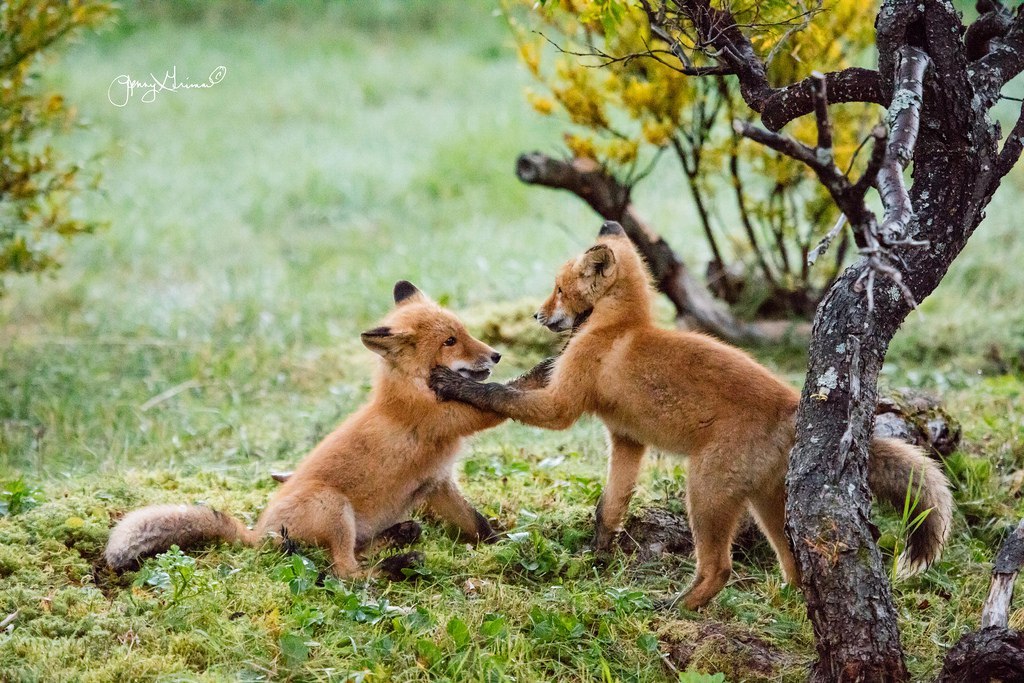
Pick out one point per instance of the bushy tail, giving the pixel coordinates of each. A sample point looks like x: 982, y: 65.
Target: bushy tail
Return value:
x: 896, y: 467
x: 154, y: 529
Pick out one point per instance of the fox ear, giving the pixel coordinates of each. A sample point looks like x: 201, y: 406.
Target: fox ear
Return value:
x: 406, y: 293
x: 383, y: 340
x: 598, y: 262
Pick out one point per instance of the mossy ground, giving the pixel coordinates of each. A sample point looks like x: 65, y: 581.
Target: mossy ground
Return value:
x: 254, y: 230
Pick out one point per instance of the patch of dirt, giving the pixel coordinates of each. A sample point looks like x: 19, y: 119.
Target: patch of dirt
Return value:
x: 714, y: 646
x: 657, y: 531
x: 106, y: 580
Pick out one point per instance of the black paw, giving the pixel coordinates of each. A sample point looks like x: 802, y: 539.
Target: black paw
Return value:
x: 402, y: 535
x: 446, y: 382
x: 391, y: 567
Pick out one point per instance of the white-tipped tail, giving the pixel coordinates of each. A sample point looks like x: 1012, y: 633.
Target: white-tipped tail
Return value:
x: 154, y: 529
x: 895, y: 468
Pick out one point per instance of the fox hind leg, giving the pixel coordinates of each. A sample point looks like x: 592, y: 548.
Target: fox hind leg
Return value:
x: 769, y: 510
x: 714, y: 516
x: 323, y: 517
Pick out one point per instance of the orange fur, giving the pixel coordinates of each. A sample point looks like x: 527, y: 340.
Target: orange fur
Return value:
x: 394, y: 453
x: 686, y: 393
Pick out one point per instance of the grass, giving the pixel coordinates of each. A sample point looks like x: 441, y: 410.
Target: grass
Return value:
x: 209, y: 335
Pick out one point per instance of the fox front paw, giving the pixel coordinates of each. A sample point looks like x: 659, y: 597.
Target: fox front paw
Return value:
x: 447, y: 383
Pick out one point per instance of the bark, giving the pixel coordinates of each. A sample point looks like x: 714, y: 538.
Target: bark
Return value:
x: 957, y: 166
x: 848, y: 596
x: 695, y: 305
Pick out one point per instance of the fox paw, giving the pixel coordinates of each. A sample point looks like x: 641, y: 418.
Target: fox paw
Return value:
x: 391, y: 567
x: 401, y: 535
x: 446, y: 383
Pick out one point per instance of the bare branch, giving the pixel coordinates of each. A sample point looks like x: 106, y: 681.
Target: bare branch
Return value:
x: 904, y: 121
x: 996, y: 610
x: 793, y: 101
x: 826, y: 241
x: 879, y: 135
x: 1003, y: 60
x: 1011, y: 151
x: 821, y: 112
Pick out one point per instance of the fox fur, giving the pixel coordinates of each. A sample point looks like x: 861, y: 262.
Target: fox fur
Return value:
x: 685, y: 393
x: 393, y: 454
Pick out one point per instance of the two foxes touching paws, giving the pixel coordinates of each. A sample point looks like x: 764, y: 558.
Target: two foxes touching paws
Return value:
x: 679, y: 392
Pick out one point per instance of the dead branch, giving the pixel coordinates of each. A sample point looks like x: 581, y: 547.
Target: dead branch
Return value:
x: 695, y: 305
x: 994, y: 652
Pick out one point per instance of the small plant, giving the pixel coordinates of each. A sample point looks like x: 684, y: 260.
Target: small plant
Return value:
x: 907, y: 525
x: 626, y: 601
x: 299, y: 573
x: 16, y: 497
x: 698, y: 677
x: 533, y: 554
x: 555, y: 627
x: 174, y: 573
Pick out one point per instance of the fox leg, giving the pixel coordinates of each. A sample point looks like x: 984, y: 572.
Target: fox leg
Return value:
x: 323, y: 517
x: 556, y: 406
x: 447, y: 503
x: 769, y: 509
x: 623, y: 468
x: 714, y: 515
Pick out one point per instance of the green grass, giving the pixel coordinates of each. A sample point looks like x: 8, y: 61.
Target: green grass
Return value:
x: 254, y: 229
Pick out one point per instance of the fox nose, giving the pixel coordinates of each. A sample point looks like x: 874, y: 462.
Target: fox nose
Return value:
x: 495, y: 356
x: 536, y: 316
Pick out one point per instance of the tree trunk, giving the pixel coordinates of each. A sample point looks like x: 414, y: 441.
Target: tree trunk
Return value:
x: 956, y: 170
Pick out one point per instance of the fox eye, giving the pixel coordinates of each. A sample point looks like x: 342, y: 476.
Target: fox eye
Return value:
x: 450, y: 341
x: 559, y: 291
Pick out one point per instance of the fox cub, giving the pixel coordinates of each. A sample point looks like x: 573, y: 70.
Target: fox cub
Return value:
x: 394, y: 453
x: 684, y: 393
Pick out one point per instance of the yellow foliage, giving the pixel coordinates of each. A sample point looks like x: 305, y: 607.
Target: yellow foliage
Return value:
x: 580, y: 147
x: 542, y: 105
x: 658, y: 133
x: 622, y: 151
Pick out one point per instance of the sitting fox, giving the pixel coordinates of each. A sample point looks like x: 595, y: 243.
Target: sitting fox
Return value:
x: 685, y: 393
x: 393, y: 454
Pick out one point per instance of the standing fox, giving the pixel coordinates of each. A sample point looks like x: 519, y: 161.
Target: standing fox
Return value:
x: 391, y: 455
x: 685, y: 393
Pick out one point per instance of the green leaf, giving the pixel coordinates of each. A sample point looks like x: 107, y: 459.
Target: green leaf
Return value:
x: 428, y: 652
x: 293, y: 648
x: 459, y: 632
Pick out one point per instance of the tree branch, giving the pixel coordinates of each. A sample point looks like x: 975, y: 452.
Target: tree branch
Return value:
x: 793, y: 101
x: 904, y: 122
x: 1003, y: 61
x: 695, y: 305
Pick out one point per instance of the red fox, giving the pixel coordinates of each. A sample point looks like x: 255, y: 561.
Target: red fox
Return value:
x: 392, y: 454
x: 685, y: 393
